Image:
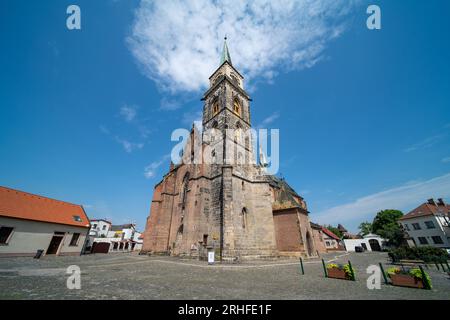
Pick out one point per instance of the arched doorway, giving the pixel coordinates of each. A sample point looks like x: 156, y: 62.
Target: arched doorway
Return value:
x: 309, y: 244
x: 374, y: 245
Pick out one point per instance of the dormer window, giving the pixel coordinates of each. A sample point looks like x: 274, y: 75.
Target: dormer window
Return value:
x: 237, y: 107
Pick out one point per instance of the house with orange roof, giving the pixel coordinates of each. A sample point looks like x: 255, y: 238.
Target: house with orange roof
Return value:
x: 428, y: 224
x: 332, y: 241
x: 30, y: 222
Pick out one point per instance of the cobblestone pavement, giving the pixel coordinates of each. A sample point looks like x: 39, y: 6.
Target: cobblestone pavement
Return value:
x: 130, y: 276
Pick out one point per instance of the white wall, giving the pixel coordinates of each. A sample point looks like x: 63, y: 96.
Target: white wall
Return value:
x: 350, y: 244
x: 98, y: 231
x: 29, y: 236
x: 332, y: 243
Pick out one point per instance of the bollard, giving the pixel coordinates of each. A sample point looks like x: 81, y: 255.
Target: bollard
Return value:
x: 324, y: 268
x: 383, y: 273
x: 425, y: 282
x: 301, y: 265
x: 351, y: 270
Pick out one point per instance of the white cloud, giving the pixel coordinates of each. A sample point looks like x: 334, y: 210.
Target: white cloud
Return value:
x: 425, y: 143
x: 129, y: 146
x: 128, y: 113
x: 178, y: 43
x: 405, y: 197
x: 150, y: 170
x: 169, y: 105
x: 274, y: 116
x: 104, y: 129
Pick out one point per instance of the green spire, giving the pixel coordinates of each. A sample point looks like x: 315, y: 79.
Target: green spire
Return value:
x: 225, y: 53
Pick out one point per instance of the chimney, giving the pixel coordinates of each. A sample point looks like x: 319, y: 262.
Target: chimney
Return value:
x: 441, y: 202
x: 431, y: 201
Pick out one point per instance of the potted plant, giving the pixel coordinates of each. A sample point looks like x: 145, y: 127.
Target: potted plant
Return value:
x: 412, y: 278
x: 336, y: 271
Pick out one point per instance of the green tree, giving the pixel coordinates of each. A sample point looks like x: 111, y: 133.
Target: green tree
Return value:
x: 386, y: 225
x: 365, y: 228
x: 335, y: 230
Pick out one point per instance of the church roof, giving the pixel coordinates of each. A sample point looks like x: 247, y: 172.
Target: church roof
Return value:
x: 286, y: 196
x: 225, y: 53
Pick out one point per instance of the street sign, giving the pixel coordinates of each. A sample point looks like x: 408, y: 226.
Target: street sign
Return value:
x: 211, y: 257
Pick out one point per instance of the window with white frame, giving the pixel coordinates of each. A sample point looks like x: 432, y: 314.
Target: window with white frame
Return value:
x: 416, y: 226
x: 74, y: 240
x: 437, y: 240
x: 423, y: 240
x: 430, y: 224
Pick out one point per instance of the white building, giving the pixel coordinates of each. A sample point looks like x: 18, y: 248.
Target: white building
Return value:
x: 332, y: 241
x: 370, y: 242
x: 100, y: 228
x: 29, y: 223
x: 428, y: 224
x: 119, y: 238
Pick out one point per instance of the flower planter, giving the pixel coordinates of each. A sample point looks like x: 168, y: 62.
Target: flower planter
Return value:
x: 336, y: 273
x: 405, y: 280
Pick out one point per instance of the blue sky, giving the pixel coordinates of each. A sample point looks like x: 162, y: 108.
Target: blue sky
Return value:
x: 364, y: 117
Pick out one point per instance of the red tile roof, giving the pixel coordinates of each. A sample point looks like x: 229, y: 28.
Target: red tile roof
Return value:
x: 23, y: 205
x: 427, y: 209
x: 330, y: 234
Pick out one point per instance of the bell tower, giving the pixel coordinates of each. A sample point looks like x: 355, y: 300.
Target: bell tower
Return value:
x: 226, y: 97
x: 227, y: 106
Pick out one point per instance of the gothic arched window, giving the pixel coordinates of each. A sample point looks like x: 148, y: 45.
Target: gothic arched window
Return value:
x: 237, y: 107
x: 244, y: 217
x: 215, y: 108
x: 237, y: 132
x: 184, y: 190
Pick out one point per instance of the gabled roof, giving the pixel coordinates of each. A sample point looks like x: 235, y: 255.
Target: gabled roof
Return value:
x: 104, y: 220
x: 330, y: 234
x: 427, y: 209
x: 285, y: 197
x: 23, y: 205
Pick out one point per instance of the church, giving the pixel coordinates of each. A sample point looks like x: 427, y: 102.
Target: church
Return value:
x: 224, y: 202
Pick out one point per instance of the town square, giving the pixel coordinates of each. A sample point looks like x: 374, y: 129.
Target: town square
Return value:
x: 129, y: 276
